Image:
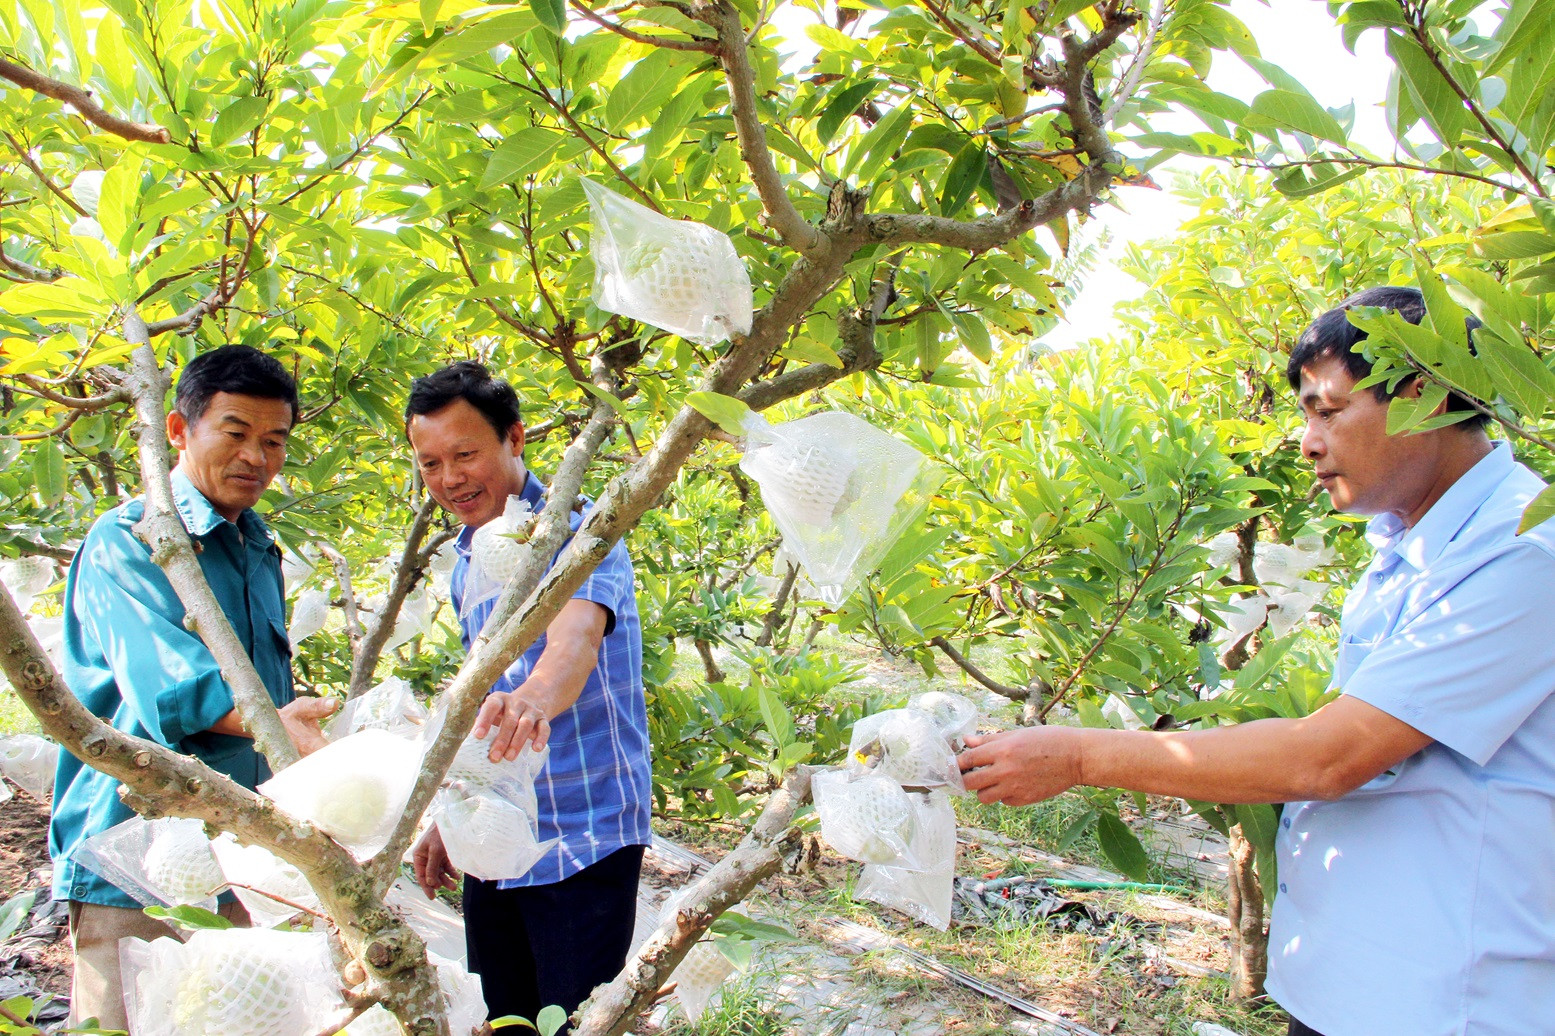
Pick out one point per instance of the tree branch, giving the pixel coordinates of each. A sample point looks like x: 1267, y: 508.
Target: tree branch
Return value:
x: 965, y: 665
x: 1120, y: 97
x: 734, y: 56
x: 357, y: 151
x: 695, y: 43
x: 413, y: 562
x: 164, y: 533
x: 348, y: 605
x: 81, y: 101
x: 37, y: 170
x: 613, y: 1007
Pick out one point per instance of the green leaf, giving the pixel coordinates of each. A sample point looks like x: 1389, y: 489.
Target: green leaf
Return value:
x: 190, y: 917
x: 961, y: 179
x: 1294, y: 111
x: 1541, y: 510
x: 1521, y: 378
x: 523, y: 152
x: 14, y: 912
x: 509, y: 1021
x: 552, y: 15
x: 1122, y: 846
x: 1432, y: 94
x: 48, y: 471
x: 118, y: 201
x: 974, y: 336
x: 1516, y: 244
x: 550, y: 1019
x: 726, y: 412
x: 841, y: 106
x: 646, y: 87
x: 780, y: 724
x: 1259, y: 824
x: 238, y: 119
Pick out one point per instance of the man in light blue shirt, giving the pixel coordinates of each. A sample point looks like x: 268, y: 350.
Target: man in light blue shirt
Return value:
x: 548, y: 936
x: 1415, y: 846
x: 130, y: 659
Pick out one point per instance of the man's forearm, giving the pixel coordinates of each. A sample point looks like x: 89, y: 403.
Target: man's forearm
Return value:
x: 560, y: 674
x: 231, y: 724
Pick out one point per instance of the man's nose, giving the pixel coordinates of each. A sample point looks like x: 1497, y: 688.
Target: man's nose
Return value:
x: 1311, y: 441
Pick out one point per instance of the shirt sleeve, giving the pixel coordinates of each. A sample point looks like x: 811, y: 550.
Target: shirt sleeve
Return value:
x: 165, y: 674
x: 1474, y: 664
x: 608, y: 584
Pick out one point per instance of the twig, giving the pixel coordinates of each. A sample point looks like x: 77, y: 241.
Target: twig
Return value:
x: 1373, y: 163
x: 413, y: 561
x: 979, y: 47
x: 81, y: 101
x: 357, y: 151
x: 695, y: 43
x: 965, y: 665
x: 37, y: 171
x: 347, y: 593
x: 1141, y: 59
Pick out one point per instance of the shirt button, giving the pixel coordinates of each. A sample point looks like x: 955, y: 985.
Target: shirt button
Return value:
x: 78, y: 890
x: 1283, y: 888
x: 1286, y: 822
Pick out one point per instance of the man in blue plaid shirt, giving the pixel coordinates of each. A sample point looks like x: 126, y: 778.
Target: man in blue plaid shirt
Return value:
x: 551, y: 935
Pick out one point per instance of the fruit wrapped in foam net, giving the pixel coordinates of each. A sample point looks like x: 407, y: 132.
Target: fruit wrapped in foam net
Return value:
x: 29, y: 761
x: 906, y: 746
x: 683, y: 277
x: 164, y: 862
x: 270, y: 889
x: 703, y: 969
x: 954, y: 715
x: 495, y: 551
x: 485, y: 835
x: 924, y: 891
x: 840, y: 490
x: 473, y: 764
x: 864, y: 816
x: 390, y: 705
x: 353, y: 789
x: 232, y: 982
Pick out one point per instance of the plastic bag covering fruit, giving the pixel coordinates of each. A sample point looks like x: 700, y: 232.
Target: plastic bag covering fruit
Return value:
x: 865, y: 817
x: 1242, y: 615
x: 353, y: 789
x: 375, y: 1021
x: 703, y: 969
x: 485, y: 835
x: 840, y: 490
x: 922, y: 892
x: 26, y: 578
x: 390, y: 705
x: 472, y: 764
x: 906, y: 746
x: 954, y: 716
x: 495, y: 551
x: 680, y: 276
x: 308, y: 616
x: 231, y: 982
x: 265, y: 884
x: 124, y: 856
x: 29, y: 761
x: 461, y: 995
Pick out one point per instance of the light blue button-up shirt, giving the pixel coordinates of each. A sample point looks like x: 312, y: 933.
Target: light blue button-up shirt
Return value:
x: 594, y: 793
x: 1423, y: 903
x: 130, y: 660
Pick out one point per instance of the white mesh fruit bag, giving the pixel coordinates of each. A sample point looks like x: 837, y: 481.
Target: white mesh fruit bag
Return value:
x: 840, y: 490
x: 167, y: 861
x: 270, y: 889
x: 924, y: 892
x: 26, y: 578
x: 473, y: 765
x: 704, y: 968
x: 29, y: 761
x: 390, y: 705
x: 485, y: 835
x: 354, y: 789
x: 680, y: 276
x: 864, y: 816
x: 230, y: 982
x: 495, y: 551
x: 906, y: 746
x: 954, y: 715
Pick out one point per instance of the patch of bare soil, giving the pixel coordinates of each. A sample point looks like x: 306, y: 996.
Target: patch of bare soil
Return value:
x: 37, y: 957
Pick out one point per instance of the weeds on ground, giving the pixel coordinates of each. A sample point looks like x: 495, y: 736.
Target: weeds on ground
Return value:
x: 739, y: 1010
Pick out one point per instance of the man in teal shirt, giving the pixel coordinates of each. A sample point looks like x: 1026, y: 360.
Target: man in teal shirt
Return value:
x: 129, y: 658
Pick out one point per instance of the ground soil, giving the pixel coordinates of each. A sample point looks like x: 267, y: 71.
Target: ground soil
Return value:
x: 24, y: 866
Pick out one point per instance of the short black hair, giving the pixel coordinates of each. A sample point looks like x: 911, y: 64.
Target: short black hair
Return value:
x: 239, y: 369
x: 470, y: 381
x: 1332, y: 334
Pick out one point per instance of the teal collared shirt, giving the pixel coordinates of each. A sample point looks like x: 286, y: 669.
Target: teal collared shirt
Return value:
x: 130, y: 660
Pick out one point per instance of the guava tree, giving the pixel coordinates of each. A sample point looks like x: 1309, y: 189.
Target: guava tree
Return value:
x: 371, y: 189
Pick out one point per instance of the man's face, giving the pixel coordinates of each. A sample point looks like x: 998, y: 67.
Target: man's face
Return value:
x: 1364, y: 469
x: 233, y: 451
x: 466, y: 466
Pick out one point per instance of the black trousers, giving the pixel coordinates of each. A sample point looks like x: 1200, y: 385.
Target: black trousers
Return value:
x: 1297, y: 1029
x: 551, y: 944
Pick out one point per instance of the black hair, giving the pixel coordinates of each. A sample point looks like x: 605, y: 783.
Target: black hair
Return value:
x: 1332, y: 334
x: 472, y: 382
x: 239, y: 369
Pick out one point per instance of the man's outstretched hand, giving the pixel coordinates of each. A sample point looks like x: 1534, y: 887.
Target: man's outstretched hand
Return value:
x: 433, y: 869
x: 301, y: 717
x: 1019, y: 767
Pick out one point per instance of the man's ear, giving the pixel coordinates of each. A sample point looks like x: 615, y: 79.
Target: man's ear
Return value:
x: 1413, y: 388
x: 516, y: 438
x: 177, y: 430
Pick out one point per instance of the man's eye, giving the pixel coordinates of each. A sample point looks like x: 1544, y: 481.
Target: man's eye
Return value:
x: 466, y: 454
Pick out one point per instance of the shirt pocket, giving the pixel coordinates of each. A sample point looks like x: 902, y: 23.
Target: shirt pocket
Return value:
x: 1348, y: 658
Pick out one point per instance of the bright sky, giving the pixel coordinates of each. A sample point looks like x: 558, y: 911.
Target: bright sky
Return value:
x: 1297, y: 35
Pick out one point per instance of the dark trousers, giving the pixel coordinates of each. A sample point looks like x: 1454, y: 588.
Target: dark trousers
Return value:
x: 551, y: 944
x: 1297, y: 1029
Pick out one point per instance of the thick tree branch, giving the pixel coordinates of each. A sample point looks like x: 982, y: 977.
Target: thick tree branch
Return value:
x: 38, y: 387
x: 81, y: 101
x: 734, y: 56
x: 965, y: 665
x: 612, y: 1009
x: 164, y: 533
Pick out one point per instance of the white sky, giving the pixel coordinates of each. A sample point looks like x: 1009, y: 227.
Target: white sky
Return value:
x: 1300, y: 37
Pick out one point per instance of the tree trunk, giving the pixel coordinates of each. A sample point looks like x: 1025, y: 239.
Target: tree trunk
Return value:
x: 709, y: 663
x: 1245, y: 910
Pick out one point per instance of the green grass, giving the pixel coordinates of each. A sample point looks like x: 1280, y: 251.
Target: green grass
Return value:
x: 739, y: 1010
x: 14, y: 717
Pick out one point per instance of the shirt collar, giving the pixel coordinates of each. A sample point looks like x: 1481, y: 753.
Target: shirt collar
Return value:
x: 533, y: 493
x: 1424, y: 543
x: 200, y: 518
